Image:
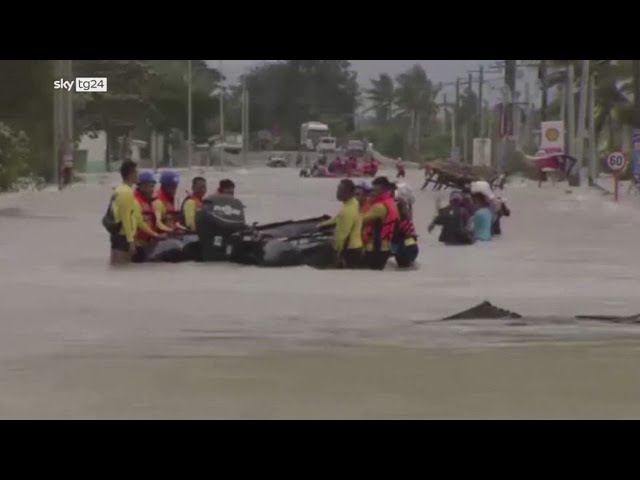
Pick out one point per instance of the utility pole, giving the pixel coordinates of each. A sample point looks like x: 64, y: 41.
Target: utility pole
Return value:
x: 563, y: 105
x: 470, y: 127
x: 582, y: 113
x: 245, y: 126
x: 446, y: 114
x: 222, y: 142
x: 480, y: 108
x: 542, y: 76
x: 510, y: 109
x: 57, y: 124
x: 62, y: 119
x: 635, y: 71
x: 593, y: 141
x: 456, y: 112
x: 189, y: 117
x: 570, y: 114
x: 526, y: 131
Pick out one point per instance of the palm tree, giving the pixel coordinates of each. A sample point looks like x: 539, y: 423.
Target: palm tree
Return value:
x: 382, y: 96
x: 416, y: 98
x: 613, y: 106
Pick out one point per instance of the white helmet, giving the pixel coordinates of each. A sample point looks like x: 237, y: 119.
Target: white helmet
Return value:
x: 404, y: 192
x: 482, y: 187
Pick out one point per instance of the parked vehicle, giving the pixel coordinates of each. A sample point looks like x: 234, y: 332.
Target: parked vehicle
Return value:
x: 277, y: 161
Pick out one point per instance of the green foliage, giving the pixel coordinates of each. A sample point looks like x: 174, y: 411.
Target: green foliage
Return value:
x: 26, y: 101
x: 387, y: 139
x: 15, y: 158
x: 416, y: 93
x: 287, y: 93
x: 382, y: 97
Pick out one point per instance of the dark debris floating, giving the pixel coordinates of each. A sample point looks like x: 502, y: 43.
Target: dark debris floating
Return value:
x: 611, y: 318
x: 484, y: 311
x: 487, y: 311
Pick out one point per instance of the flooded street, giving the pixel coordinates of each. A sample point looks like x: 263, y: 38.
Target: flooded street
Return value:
x: 79, y: 339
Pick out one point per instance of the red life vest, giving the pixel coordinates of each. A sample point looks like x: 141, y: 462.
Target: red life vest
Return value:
x: 148, y: 216
x: 172, y: 216
x: 384, y: 229
x: 406, y: 230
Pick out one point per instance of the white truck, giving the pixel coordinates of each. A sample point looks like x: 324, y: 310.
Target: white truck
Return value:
x: 310, y: 134
x: 326, y: 145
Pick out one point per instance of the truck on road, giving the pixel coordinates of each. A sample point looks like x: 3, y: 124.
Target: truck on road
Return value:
x: 311, y: 133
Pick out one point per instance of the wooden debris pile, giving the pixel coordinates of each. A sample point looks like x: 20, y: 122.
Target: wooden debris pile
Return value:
x: 449, y: 174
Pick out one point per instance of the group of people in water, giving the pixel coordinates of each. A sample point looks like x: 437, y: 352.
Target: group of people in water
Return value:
x: 473, y: 214
x: 140, y: 212
x: 374, y: 224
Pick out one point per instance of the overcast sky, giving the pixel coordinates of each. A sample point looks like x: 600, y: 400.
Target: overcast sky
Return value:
x: 437, y: 70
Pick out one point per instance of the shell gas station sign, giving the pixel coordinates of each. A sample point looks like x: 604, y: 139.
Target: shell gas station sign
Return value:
x: 552, y: 137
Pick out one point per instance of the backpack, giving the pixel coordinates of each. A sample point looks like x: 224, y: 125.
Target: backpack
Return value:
x: 109, y: 221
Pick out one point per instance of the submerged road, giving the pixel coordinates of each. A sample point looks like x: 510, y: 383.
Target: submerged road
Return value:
x: 82, y: 340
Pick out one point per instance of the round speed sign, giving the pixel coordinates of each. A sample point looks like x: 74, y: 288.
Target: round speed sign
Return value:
x: 616, y: 161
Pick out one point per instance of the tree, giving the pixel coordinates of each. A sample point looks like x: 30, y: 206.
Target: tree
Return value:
x: 382, y: 96
x: 168, y: 96
x: 416, y: 98
x: 613, y: 87
x: 26, y: 103
x: 123, y: 107
x: 291, y: 92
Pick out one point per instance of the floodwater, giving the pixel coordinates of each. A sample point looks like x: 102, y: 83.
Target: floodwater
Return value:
x: 79, y: 339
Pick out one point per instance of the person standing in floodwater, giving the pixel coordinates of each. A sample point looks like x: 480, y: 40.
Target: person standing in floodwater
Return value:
x: 482, y: 218
x: 123, y: 246
x: 347, y: 243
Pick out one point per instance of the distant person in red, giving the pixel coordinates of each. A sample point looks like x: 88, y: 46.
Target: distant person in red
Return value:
x: 400, y: 172
x: 373, y: 166
x: 353, y: 164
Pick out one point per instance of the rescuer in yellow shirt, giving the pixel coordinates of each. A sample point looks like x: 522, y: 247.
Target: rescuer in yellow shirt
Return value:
x: 123, y: 245
x: 348, y: 227
x: 193, y: 201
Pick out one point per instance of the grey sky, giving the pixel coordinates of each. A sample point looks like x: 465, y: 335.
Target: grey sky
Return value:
x: 437, y: 70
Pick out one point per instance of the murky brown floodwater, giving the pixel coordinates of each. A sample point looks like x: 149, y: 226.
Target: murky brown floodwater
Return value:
x: 79, y: 339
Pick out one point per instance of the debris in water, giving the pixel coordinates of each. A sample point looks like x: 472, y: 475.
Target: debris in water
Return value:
x: 611, y: 318
x: 485, y: 310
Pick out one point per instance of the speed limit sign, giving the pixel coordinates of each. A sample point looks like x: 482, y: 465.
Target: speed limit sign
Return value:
x: 616, y: 161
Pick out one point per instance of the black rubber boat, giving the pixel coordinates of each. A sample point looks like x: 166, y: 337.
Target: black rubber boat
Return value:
x: 290, y: 243
x: 181, y: 248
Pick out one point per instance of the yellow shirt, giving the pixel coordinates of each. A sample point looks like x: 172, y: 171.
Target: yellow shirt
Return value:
x: 348, y: 224
x: 140, y: 223
x: 189, y: 213
x: 375, y: 213
x: 160, y: 210
x: 123, y: 207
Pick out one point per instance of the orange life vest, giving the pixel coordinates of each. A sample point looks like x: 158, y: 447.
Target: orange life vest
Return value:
x: 172, y: 216
x: 148, y: 216
x: 380, y: 231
